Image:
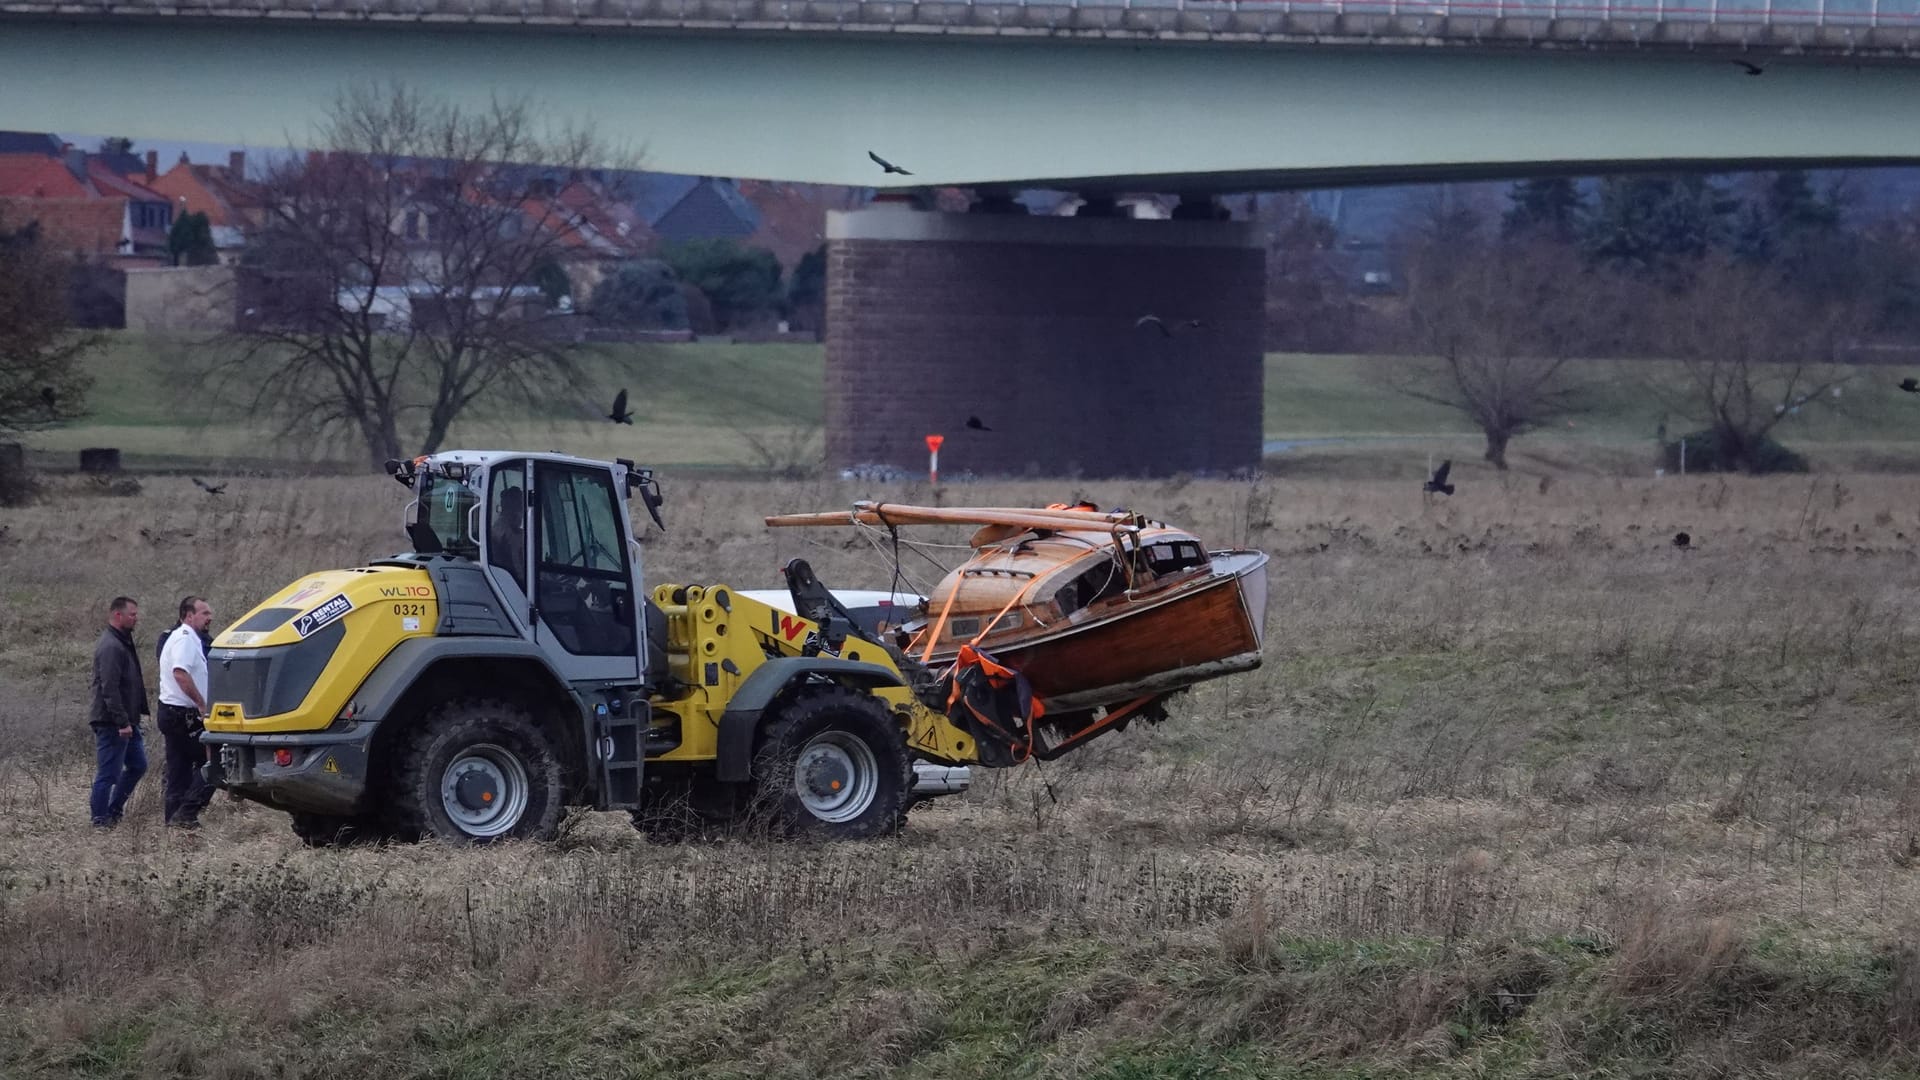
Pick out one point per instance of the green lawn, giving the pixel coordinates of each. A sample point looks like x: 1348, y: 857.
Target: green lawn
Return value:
x: 714, y: 403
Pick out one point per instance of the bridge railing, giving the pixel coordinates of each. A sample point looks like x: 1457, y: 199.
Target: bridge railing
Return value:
x: 1883, y: 28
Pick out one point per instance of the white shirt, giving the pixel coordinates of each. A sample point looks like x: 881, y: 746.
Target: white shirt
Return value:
x: 182, y: 651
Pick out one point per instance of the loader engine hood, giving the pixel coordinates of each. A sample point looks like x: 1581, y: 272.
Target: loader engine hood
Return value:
x: 293, y: 662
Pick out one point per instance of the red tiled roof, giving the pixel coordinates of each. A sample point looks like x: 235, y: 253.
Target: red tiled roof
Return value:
x: 73, y: 226
x: 590, y: 224
x: 38, y: 176
x: 793, y: 217
x: 110, y: 183
x: 206, y: 189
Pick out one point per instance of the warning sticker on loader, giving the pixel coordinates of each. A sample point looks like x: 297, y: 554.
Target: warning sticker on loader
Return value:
x: 324, y: 615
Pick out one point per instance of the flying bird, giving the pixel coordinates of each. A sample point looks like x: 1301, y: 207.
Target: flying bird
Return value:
x: 211, y: 489
x: 1438, y: 484
x: 1157, y: 323
x: 1682, y: 541
x: 889, y: 166
x: 620, y: 415
x: 974, y: 424
x: 1910, y: 385
x: 1749, y: 68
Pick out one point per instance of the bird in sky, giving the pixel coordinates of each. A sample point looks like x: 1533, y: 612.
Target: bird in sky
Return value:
x: 1910, y: 385
x: 974, y: 424
x: 1157, y: 323
x: 1438, y: 485
x: 888, y: 166
x: 211, y: 489
x: 620, y: 415
x: 1749, y: 68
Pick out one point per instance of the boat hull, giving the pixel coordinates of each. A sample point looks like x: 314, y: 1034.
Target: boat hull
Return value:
x: 1194, y: 632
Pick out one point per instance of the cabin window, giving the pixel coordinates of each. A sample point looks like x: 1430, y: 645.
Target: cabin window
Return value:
x: 1173, y: 556
x: 1097, y: 583
x: 963, y: 628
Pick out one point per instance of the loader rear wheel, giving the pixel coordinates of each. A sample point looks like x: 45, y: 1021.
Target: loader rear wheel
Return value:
x: 832, y: 763
x: 479, y: 771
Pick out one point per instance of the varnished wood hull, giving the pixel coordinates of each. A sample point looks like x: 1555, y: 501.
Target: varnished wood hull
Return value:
x: 1148, y: 645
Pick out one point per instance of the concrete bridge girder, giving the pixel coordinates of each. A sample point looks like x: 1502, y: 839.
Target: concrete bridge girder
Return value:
x: 972, y: 110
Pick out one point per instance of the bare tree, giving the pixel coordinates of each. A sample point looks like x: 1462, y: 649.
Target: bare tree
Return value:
x: 393, y: 278
x: 1505, y: 324
x: 1753, y: 352
x: 41, y: 380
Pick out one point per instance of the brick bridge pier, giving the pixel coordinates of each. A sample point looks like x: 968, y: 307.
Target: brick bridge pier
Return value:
x: 1029, y: 324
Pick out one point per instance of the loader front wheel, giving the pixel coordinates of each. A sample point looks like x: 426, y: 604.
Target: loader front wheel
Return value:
x: 832, y: 763
x: 480, y: 771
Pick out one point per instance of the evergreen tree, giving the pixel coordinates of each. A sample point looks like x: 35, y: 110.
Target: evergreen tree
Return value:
x: 1800, y: 233
x: 1543, y: 207
x: 1657, y: 223
x: 552, y: 281
x: 190, y: 241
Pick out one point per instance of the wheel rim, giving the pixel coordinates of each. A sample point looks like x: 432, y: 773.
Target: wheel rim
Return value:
x: 836, y: 776
x: 484, y: 790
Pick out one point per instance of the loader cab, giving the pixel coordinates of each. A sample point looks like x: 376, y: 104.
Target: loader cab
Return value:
x: 551, y: 535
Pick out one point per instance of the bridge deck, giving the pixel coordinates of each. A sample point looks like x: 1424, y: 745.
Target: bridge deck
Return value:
x: 1849, y: 29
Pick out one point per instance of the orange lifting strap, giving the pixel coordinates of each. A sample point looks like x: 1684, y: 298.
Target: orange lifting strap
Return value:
x: 933, y: 635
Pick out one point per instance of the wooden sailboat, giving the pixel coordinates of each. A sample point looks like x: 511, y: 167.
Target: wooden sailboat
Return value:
x: 1096, y: 610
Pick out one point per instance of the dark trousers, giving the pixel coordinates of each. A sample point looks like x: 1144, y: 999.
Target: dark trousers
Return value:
x: 187, y: 792
x: 119, y: 763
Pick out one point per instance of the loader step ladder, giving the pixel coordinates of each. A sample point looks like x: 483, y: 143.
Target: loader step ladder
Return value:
x: 621, y: 719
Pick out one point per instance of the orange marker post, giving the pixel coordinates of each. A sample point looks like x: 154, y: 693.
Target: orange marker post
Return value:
x: 933, y: 457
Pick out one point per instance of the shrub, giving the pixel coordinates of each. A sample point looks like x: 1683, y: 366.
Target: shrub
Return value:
x: 1710, y: 451
x: 742, y: 283
x: 644, y: 292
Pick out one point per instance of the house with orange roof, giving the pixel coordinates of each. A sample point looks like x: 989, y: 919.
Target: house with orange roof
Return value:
x: 594, y: 231
x: 85, y: 209
x: 221, y: 192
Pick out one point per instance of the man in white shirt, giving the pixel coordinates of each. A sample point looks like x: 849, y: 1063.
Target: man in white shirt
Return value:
x: 183, y: 702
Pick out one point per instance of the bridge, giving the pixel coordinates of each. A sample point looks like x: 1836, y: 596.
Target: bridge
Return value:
x: 1030, y: 323
x: 1126, y: 94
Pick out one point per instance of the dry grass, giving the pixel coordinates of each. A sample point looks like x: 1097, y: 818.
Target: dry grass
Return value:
x: 1522, y: 790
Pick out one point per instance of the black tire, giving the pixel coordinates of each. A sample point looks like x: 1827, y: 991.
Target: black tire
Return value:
x: 500, y: 753
x: 818, y: 739
x: 328, y: 830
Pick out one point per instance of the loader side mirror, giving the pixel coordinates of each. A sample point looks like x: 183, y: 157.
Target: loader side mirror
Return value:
x: 642, y: 480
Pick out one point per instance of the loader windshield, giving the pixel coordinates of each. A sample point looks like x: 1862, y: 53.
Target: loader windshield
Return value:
x: 446, y: 516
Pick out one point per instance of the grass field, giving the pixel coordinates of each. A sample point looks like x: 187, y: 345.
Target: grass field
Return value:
x: 698, y: 405
x: 710, y: 404
x: 1521, y: 791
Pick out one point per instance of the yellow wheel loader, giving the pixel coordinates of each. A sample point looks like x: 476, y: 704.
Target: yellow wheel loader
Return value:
x: 513, y: 664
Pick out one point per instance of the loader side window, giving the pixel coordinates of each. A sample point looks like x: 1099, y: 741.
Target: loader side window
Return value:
x: 507, y: 523
x: 445, y: 505
x: 586, y: 593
